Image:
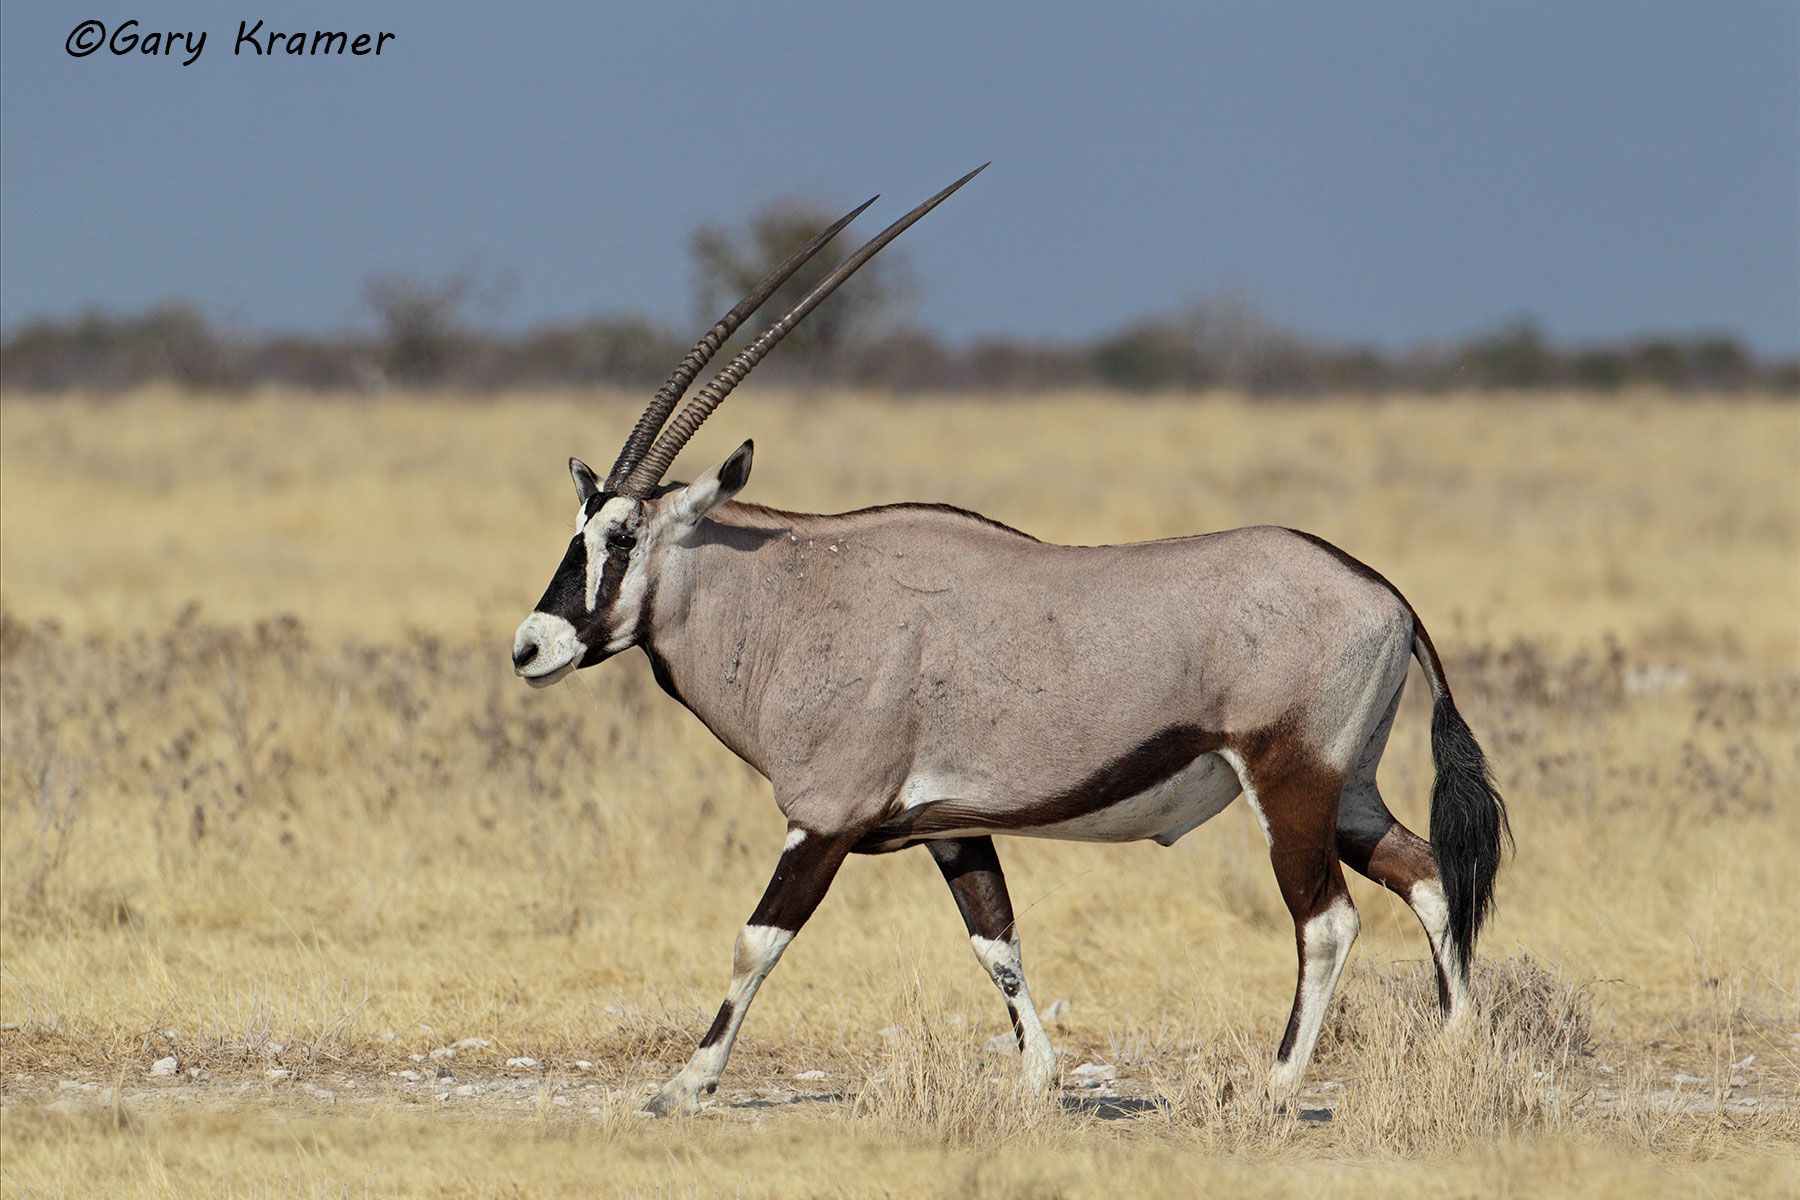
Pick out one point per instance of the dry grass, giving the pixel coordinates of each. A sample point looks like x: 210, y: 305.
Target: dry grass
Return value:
x: 330, y: 841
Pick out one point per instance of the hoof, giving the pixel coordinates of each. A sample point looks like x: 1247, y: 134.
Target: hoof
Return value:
x: 665, y: 1105
x: 676, y: 1098
x: 1039, y: 1082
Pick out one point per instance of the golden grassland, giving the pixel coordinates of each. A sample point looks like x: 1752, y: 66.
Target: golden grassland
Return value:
x: 271, y: 800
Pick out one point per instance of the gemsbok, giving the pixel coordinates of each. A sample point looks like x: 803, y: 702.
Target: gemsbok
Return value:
x: 915, y: 674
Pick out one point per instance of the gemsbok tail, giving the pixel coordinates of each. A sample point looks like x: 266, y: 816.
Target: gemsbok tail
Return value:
x: 1468, y: 817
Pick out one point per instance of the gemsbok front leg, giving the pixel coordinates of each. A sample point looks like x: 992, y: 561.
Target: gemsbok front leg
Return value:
x: 972, y: 870
x: 808, y: 863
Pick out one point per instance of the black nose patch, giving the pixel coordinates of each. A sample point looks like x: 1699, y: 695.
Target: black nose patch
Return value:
x: 525, y: 654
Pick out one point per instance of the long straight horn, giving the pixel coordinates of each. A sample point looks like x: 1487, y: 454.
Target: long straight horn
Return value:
x: 663, y: 403
x: 649, y: 471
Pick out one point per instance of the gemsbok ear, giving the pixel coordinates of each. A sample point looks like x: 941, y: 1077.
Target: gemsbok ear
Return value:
x: 586, y: 482
x: 713, y: 488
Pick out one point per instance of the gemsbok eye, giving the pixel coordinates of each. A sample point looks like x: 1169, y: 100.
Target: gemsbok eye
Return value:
x: 621, y: 541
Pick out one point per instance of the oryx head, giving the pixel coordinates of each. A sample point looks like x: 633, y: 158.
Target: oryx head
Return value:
x: 595, y: 604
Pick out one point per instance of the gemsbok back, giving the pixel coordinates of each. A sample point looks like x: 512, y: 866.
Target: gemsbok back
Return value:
x: 915, y: 674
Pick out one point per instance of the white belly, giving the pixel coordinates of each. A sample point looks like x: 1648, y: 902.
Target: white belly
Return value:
x: 1177, y: 805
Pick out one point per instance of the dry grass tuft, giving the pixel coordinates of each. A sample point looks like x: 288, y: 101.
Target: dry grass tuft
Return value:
x: 1418, y: 1088
x: 928, y: 1085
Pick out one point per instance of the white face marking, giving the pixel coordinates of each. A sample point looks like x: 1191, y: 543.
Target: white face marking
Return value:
x: 593, y: 537
x: 596, y: 564
x: 559, y: 651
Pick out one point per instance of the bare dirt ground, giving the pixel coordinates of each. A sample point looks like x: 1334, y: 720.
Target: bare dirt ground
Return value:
x: 1093, y: 1089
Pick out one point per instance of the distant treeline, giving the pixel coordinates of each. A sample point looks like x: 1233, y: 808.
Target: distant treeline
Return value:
x: 421, y: 334
x: 417, y: 342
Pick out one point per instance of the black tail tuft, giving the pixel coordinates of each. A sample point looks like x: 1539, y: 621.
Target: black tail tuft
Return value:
x: 1468, y: 826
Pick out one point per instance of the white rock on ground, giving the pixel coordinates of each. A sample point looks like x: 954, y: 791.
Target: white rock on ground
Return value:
x: 471, y: 1043
x: 164, y: 1066
x: 278, y: 1074
x: 1095, y: 1071
x: 813, y: 1074
x: 524, y: 1063
x: 999, y: 1042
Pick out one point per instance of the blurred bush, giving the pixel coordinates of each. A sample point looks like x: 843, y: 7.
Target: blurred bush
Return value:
x: 422, y: 335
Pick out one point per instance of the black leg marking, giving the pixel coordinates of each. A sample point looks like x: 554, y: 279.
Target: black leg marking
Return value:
x: 972, y: 870
x: 719, y: 1025
x: 1012, y: 1012
x: 801, y: 878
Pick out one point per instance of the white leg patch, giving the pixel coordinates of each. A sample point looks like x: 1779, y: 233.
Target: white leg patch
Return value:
x: 757, y: 951
x: 1002, y: 961
x: 1428, y: 904
x: 795, y: 836
x: 1326, y: 940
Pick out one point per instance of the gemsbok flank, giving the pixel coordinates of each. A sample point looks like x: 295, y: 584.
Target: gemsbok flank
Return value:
x: 915, y: 674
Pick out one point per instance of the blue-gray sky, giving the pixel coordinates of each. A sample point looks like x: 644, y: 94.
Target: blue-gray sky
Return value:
x: 1387, y: 172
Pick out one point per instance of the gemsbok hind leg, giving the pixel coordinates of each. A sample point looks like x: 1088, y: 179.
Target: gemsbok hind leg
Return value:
x: 972, y: 870
x: 1374, y: 843
x: 808, y: 863
x: 1295, y: 796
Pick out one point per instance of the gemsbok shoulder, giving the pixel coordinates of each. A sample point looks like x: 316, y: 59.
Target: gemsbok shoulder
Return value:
x: 915, y: 674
